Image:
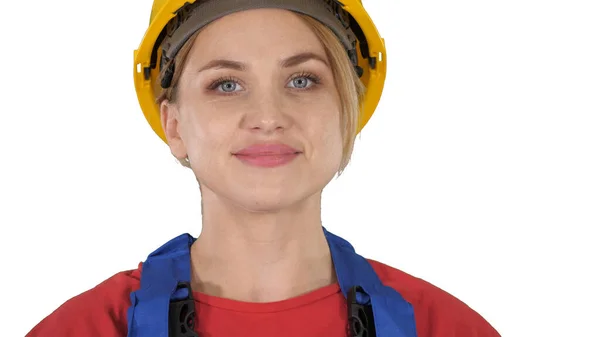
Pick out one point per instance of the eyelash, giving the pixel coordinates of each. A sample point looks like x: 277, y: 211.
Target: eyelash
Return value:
x: 316, y: 80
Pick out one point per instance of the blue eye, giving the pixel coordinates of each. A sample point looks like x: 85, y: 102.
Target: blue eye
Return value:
x: 304, y: 81
x: 301, y: 82
x: 225, y: 85
x: 228, y: 86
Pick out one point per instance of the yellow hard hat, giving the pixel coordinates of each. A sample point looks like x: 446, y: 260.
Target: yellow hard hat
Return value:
x: 349, y: 20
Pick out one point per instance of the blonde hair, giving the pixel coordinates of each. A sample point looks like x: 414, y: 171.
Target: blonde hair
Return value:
x: 350, y: 88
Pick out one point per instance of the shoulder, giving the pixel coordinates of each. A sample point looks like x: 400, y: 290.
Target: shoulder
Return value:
x: 437, y: 313
x: 100, y: 311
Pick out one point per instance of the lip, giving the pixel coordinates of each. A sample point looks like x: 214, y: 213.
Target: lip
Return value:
x: 267, y: 155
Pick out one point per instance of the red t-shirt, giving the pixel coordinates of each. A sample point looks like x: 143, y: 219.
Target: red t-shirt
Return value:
x: 102, y: 312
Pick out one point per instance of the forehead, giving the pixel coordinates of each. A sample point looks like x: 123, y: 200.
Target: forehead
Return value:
x: 259, y: 34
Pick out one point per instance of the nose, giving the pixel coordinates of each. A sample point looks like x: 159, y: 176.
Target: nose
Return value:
x: 268, y: 113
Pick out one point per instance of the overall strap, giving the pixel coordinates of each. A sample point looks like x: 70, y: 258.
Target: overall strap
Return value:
x: 165, y: 277
x: 393, y: 315
x: 166, y: 274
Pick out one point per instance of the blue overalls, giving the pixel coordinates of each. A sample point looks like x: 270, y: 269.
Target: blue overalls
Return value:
x: 163, y: 306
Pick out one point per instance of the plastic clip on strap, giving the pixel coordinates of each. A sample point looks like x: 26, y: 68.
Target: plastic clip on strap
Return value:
x: 182, y: 313
x: 392, y: 315
x: 360, y: 316
x: 161, y: 290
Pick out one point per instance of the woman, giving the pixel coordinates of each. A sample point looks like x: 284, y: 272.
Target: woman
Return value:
x: 261, y: 100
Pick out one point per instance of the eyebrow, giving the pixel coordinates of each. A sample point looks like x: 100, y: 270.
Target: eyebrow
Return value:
x: 301, y: 58
x: 286, y: 63
x: 220, y: 64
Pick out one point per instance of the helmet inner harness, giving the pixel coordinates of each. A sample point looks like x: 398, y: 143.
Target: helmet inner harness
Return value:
x: 192, y: 17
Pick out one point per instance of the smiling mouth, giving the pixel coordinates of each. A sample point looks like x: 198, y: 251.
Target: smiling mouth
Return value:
x: 268, y: 160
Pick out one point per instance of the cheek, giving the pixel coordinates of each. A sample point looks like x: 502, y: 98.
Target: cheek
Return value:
x: 203, y: 131
x: 325, y: 131
x: 331, y: 141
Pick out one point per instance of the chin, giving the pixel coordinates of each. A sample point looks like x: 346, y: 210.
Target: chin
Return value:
x: 265, y: 201
x: 266, y: 193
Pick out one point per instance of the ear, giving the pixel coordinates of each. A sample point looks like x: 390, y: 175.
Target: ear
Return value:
x: 169, y: 118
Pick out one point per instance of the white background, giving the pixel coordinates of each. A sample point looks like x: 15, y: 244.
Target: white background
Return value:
x: 479, y: 172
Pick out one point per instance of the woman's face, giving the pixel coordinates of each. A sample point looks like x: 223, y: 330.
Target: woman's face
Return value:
x: 257, y: 111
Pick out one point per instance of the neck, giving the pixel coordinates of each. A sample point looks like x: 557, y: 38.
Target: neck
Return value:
x: 260, y: 257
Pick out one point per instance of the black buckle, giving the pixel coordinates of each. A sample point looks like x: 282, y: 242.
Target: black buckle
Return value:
x: 182, y: 314
x: 360, y: 316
